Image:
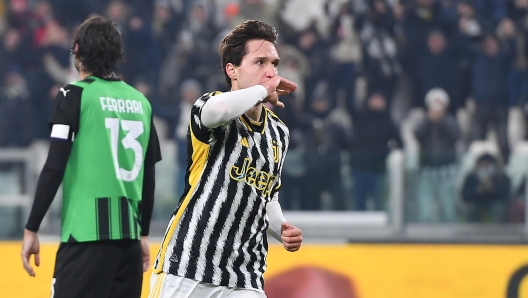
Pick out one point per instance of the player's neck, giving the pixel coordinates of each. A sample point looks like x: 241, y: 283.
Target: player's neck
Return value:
x: 83, y: 75
x: 255, y: 112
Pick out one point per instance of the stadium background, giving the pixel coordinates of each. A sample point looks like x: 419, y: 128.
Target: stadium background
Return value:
x: 387, y: 206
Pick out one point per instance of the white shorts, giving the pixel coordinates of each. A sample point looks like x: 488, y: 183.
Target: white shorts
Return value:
x: 165, y: 285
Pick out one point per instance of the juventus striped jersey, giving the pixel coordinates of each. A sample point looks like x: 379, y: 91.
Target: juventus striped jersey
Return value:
x: 217, y: 233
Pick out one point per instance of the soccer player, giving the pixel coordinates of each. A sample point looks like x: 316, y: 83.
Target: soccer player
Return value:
x: 103, y: 149
x: 216, y: 242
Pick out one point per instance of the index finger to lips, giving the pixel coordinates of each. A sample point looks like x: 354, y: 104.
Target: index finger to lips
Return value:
x: 287, y: 85
x: 282, y: 92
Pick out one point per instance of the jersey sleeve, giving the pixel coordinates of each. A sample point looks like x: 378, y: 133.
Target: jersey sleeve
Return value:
x: 66, y: 113
x: 198, y: 129
x: 153, y: 154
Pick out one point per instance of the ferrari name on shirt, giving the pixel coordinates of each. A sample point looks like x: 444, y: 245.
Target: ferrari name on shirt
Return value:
x: 121, y: 105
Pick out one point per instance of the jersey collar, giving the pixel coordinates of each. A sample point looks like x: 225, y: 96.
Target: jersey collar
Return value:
x: 112, y: 78
x: 255, y: 126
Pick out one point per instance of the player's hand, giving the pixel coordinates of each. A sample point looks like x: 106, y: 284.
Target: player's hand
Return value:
x: 146, y: 253
x: 30, y: 246
x: 291, y: 237
x: 277, y: 86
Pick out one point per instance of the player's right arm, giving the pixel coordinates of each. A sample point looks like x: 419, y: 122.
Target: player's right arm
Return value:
x: 64, y: 125
x: 152, y: 156
x: 226, y: 106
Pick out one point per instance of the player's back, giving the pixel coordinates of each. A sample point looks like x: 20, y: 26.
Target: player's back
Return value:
x: 103, y: 180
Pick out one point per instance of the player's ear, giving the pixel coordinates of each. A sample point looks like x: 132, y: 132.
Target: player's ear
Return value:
x: 74, y: 49
x: 231, y: 71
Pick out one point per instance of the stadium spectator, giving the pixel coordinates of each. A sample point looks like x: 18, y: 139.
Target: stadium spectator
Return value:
x: 490, y: 90
x: 437, y: 135
x: 439, y: 70
x: 421, y: 17
x: 322, y: 157
x: 346, y: 55
x: 12, y: 52
x: 486, y: 191
x: 143, y: 57
x: 518, y: 75
x: 165, y: 24
x: 374, y: 135
x: 17, y: 113
x: 492, y: 12
x: 380, y: 64
x: 119, y: 12
x: 262, y: 10
x: 55, y: 46
x: 465, y: 39
x: 316, y: 49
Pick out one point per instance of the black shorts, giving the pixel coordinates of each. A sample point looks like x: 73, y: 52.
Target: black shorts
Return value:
x: 100, y: 269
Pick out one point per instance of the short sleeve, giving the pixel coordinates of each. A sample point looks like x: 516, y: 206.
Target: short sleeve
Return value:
x: 153, y: 154
x: 67, y: 107
x: 198, y: 129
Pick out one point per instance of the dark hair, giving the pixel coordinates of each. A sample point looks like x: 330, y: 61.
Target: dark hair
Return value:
x: 100, y: 47
x: 234, y: 46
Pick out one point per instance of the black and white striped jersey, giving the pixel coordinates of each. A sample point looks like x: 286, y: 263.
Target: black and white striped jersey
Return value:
x: 217, y: 233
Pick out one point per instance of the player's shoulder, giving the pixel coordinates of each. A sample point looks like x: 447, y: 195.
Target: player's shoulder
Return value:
x: 83, y: 83
x: 130, y: 91
x: 70, y: 91
x: 205, y: 97
x: 275, y: 118
x: 75, y: 89
x: 208, y: 95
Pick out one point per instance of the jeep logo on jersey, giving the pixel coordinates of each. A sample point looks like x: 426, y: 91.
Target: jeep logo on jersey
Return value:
x: 259, y: 179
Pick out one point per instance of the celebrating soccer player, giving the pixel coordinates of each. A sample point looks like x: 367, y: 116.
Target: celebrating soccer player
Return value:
x: 103, y: 149
x: 216, y: 242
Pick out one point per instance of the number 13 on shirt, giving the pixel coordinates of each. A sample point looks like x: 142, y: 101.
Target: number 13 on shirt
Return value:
x: 135, y: 129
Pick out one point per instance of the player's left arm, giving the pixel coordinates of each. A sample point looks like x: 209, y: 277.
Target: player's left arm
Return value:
x: 289, y: 235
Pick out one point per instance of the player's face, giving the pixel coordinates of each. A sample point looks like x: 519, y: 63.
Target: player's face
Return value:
x: 258, y: 65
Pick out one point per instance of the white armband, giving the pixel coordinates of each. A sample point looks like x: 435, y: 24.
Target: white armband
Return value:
x: 60, y: 131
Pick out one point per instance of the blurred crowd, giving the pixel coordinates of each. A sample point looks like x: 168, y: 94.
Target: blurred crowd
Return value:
x: 431, y: 78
